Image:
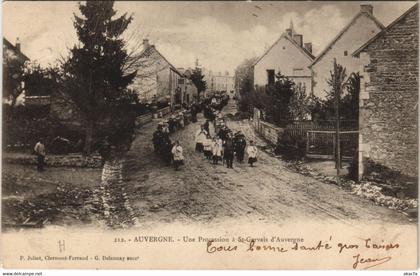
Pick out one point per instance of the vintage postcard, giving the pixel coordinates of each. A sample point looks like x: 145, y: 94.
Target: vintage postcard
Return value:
x: 210, y: 135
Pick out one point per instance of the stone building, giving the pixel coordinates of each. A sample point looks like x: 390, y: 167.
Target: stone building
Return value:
x: 157, y: 78
x: 224, y: 83
x: 189, y: 92
x: 359, y: 30
x: 13, y: 60
x: 389, y: 96
x: 288, y: 55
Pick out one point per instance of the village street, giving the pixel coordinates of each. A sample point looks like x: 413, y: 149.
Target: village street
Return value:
x: 203, y: 192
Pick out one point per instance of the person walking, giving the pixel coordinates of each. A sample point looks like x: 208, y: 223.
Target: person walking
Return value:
x: 200, y: 136
x: 207, y: 147
x: 177, y: 154
x: 157, y: 137
x: 228, y: 151
x: 206, y: 126
x: 40, y: 153
x: 217, y: 150
x: 240, y: 145
x: 252, y: 153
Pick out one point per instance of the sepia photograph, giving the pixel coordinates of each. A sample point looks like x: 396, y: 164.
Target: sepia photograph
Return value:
x: 210, y: 135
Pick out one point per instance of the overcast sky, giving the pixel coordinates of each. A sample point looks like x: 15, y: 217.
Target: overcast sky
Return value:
x: 219, y: 34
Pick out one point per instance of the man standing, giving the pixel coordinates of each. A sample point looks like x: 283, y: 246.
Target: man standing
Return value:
x: 240, y: 145
x: 228, y: 151
x: 40, y: 153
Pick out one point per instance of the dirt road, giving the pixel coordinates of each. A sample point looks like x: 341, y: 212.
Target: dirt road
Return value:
x: 203, y: 192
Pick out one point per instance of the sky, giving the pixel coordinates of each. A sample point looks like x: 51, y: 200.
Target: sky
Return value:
x: 220, y: 34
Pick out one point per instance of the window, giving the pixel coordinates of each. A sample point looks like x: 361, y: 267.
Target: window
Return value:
x: 345, y: 53
x: 270, y: 76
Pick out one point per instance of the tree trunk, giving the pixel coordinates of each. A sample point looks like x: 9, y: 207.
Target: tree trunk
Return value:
x: 88, y: 138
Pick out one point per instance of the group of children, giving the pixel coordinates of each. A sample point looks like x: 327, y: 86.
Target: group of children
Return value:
x: 217, y: 149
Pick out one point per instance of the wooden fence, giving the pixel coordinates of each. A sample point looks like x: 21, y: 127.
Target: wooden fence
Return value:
x: 318, y: 135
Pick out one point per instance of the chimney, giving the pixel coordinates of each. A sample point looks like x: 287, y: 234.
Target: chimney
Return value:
x: 17, y: 44
x: 308, y: 47
x: 366, y: 9
x: 146, y: 43
x: 299, y: 39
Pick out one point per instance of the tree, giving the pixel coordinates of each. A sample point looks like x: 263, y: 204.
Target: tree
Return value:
x: 93, y: 76
x: 198, y: 80
x: 39, y: 81
x: 279, y: 95
x: 244, y: 84
x: 13, y: 69
x: 299, y: 107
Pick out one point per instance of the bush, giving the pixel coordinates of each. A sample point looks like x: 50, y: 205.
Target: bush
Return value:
x: 291, y: 148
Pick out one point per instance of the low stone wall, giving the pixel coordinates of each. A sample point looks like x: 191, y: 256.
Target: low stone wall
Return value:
x: 147, y: 118
x: 70, y: 160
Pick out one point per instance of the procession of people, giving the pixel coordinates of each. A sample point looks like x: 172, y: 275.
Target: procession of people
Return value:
x: 221, y: 146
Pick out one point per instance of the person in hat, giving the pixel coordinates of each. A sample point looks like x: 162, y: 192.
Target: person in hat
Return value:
x: 228, y: 151
x: 157, y: 137
x: 240, y: 145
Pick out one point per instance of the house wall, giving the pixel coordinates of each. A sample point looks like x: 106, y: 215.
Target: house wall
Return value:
x: 152, y: 79
x: 359, y: 33
x: 389, y: 99
x: 286, y: 58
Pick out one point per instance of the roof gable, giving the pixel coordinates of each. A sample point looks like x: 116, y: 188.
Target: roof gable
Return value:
x: 285, y: 36
x: 12, y: 47
x: 344, y: 30
x: 153, y: 48
x: 396, y: 21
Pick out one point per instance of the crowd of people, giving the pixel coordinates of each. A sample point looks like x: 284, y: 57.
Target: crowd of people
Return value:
x: 223, y: 146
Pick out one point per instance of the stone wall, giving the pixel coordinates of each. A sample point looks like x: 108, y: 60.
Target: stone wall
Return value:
x: 69, y: 160
x: 389, y: 98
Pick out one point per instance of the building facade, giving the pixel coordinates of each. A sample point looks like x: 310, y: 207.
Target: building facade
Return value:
x: 189, y: 92
x: 360, y: 29
x: 224, y: 83
x: 288, y: 56
x: 156, y: 79
x: 388, y: 108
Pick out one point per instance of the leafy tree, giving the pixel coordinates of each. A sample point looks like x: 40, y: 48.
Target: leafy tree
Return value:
x: 39, y: 81
x: 244, y: 84
x: 197, y: 78
x: 349, y: 89
x: 93, y: 76
x: 13, y: 69
x: 277, y: 103
x: 299, y: 103
x: 349, y: 104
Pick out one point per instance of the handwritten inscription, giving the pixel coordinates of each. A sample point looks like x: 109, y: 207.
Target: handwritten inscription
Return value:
x: 339, y: 247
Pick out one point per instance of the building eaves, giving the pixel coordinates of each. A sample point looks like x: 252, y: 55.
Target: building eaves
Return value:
x: 358, y: 51
x: 340, y: 34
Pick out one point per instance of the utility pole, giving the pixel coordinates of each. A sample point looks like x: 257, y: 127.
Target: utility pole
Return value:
x: 337, y: 91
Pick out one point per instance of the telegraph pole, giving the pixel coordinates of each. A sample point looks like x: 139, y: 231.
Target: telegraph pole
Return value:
x: 337, y: 91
